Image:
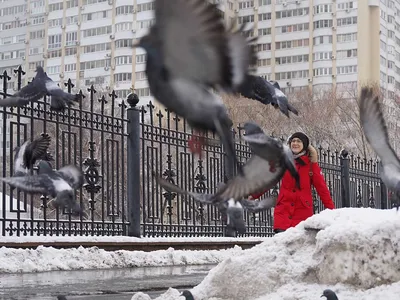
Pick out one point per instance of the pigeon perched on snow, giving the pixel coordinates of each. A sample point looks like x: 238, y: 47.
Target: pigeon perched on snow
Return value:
x: 41, y: 86
x: 329, y: 294
x: 375, y: 131
x: 60, y: 184
x: 271, y: 158
x: 189, y: 51
x: 257, y: 88
x: 27, y: 154
x: 187, y: 294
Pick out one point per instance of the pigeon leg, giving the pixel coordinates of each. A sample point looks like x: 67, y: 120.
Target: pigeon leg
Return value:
x: 195, y: 144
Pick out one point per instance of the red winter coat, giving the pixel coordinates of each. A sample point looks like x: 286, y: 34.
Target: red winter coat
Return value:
x: 294, y: 205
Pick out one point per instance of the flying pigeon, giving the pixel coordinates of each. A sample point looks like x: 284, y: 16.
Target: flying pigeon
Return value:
x: 375, y: 131
x: 27, y: 155
x: 229, y: 207
x: 189, y: 51
x: 187, y: 294
x: 271, y: 158
x: 60, y: 184
x: 329, y: 294
x: 257, y: 88
x: 41, y: 86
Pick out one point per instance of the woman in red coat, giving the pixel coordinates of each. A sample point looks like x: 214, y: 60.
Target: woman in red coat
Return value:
x: 295, y: 205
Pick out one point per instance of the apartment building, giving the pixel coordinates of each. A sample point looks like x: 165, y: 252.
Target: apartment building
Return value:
x: 302, y: 43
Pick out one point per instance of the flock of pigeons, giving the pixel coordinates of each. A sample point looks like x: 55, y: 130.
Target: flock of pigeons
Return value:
x: 190, y: 56
x: 60, y: 184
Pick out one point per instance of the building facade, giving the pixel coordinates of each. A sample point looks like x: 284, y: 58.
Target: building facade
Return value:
x: 300, y: 42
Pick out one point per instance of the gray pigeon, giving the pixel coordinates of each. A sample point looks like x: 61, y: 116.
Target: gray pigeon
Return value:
x: 189, y: 51
x: 257, y: 88
x: 61, y: 297
x: 27, y: 155
x: 231, y: 208
x: 41, y: 86
x: 329, y: 294
x: 271, y: 158
x: 60, y: 184
x: 375, y: 131
x: 187, y: 294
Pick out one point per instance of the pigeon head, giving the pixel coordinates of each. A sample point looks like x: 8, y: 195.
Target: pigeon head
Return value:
x: 252, y: 128
x: 147, y: 42
x: 329, y: 294
x: 188, y: 295
x: 39, y: 70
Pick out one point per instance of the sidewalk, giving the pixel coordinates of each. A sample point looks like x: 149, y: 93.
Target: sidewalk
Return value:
x: 113, y: 243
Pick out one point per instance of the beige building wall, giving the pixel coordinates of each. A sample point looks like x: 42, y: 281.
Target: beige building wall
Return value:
x: 368, y: 43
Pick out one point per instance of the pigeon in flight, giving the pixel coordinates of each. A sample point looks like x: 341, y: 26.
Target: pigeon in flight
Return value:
x: 257, y: 88
x: 375, y: 131
x: 271, y: 158
x: 30, y: 152
x: 60, y: 184
x: 329, y: 294
x: 229, y: 207
x: 41, y: 86
x: 189, y: 52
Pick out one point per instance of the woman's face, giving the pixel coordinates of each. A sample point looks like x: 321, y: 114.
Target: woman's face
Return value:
x: 296, y: 145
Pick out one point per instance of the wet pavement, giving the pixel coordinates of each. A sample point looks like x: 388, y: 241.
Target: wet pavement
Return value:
x: 114, y: 284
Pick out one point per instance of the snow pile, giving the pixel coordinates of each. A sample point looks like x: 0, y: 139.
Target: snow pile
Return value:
x: 50, y: 259
x: 354, y: 251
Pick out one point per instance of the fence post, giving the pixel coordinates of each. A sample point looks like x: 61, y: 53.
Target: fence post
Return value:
x: 345, y: 178
x: 384, y: 193
x: 229, y: 162
x: 133, y: 160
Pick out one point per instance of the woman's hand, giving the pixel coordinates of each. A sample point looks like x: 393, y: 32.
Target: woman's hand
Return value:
x: 313, y: 154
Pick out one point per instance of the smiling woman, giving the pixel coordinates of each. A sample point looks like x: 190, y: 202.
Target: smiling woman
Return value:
x: 296, y: 204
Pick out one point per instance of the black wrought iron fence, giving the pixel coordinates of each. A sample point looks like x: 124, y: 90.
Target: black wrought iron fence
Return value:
x: 118, y: 145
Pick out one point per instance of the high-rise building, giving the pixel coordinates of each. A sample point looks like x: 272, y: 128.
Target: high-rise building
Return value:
x: 301, y: 43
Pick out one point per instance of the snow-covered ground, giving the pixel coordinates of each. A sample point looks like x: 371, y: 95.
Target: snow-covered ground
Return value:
x: 353, y: 251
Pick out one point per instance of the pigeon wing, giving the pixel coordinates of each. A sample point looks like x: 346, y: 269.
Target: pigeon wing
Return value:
x: 258, y: 176
x: 37, y: 149
x: 19, y: 163
x: 257, y: 138
x: 262, y: 90
x: 29, y: 93
x: 374, y: 127
x: 38, y: 184
x: 255, y: 206
x: 194, y: 43
x: 73, y: 175
x: 242, y: 54
x: 173, y: 188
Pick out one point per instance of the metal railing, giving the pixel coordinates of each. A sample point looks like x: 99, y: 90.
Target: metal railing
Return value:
x: 118, y: 145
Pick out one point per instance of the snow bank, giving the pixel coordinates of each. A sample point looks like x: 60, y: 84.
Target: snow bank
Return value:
x: 50, y: 259
x: 354, y: 251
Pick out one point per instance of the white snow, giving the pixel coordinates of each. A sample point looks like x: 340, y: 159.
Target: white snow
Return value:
x: 50, y: 259
x: 353, y: 251
x: 121, y: 239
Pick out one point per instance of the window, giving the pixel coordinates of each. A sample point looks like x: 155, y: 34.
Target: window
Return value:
x: 322, y: 72
x: 55, y: 41
x: 123, y: 77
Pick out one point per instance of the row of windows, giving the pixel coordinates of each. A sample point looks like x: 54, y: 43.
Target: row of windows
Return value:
x: 343, y: 70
